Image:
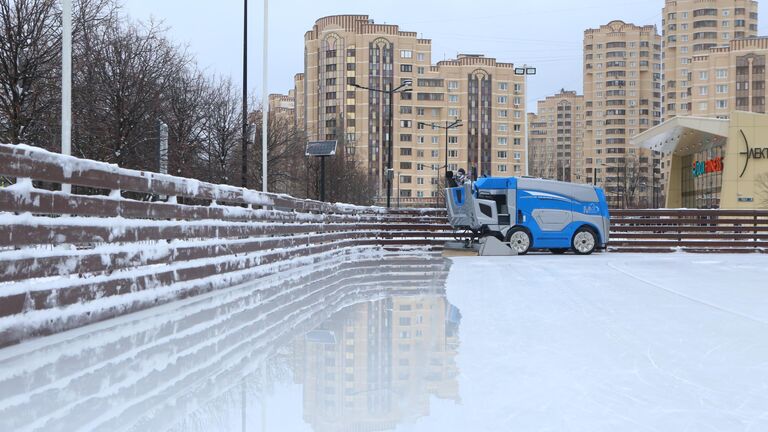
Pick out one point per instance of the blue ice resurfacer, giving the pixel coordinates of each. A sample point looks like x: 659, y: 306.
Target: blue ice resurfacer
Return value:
x: 532, y: 213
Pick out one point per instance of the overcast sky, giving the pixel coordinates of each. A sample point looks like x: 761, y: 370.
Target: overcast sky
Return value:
x: 544, y: 33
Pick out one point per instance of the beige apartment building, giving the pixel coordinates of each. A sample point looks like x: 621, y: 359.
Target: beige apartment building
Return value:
x: 556, y: 138
x: 730, y: 78
x: 622, y: 98
x: 486, y: 95
x: 690, y: 29
x: 283, y: 106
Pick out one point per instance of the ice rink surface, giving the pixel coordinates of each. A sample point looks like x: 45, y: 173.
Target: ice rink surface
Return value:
x: 609, y: 342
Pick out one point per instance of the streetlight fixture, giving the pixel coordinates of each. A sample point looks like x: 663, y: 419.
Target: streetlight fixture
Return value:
x: 391, y: 92
x: 525, y: 71
x: 448, y: 126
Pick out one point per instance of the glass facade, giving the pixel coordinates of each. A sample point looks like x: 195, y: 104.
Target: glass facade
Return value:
x: 702, y: 178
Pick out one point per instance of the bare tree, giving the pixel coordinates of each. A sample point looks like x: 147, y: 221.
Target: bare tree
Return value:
x: 29, y: 50
x: 221, y: 131
x: 184, y: 111
x: 30, y: 64
x: 124, y: 73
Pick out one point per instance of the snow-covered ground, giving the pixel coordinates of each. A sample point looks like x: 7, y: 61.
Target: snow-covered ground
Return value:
x: 608, y: 342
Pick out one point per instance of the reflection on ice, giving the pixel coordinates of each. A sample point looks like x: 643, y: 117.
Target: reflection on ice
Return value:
x: 368, y: 339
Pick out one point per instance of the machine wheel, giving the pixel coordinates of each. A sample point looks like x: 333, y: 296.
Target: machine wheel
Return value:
x: 519, y: 240
x: 584, y: 241
x: 559, y: 251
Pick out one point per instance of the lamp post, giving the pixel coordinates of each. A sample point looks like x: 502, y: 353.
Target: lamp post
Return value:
x: 525, y: 71
x: 448, y: 126
x: 66, y: 83
x: 244, y: 166
x: 391, y: 92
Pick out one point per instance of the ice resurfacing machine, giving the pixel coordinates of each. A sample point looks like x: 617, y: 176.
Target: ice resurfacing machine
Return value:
x: 530, y: 213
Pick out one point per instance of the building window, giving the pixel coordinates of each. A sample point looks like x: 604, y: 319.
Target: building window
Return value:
x: 703, y: 91
x: 501, y: 154
x: 503, y: 127
x: 453, y: 98
x: 420, y: 56
x: 702, y: 106
x: 501, y: 100
x: 722, y: 104
x: 453, y: 140
x: 406, y: 68
x: 434, y: 154
x: 721, y: 73
x: 502, y: 140
x: 453, y: 85
x: 703, y: 75
x: 406, y: 54
x: 721, y: 88
x: 420, y: 70
x: 502, y: 168
x: 330, y: 67
x: 435, y: 140
x: 405, y: 123
x: 453, y: 112
x: 503, y: 113
x: 516, y: 141
x: 503, y: 85
x: 517, y: 156
x: 453, y: 153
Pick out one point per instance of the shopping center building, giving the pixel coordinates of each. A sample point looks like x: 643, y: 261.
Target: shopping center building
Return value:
x: 714, y: 163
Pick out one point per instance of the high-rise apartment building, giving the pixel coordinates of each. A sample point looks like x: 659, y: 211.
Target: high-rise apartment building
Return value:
x: 486, y: 95
x: 729, y: 78
x: 691, y: 28
x: 622, y: 98
x: 556, y: 138
x: 283, y: 106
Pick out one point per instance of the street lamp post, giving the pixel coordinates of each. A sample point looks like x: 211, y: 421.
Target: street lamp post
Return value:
x: 525, y: 71
x: 448, y: 126
x: 66, y: 83
x: 391, y: 92
x: 244, y: 165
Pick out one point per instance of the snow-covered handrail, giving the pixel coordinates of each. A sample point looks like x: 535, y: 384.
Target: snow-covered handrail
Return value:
x: 69, y: 251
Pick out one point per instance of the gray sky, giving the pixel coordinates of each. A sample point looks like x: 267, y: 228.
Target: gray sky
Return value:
x: 545, y: 33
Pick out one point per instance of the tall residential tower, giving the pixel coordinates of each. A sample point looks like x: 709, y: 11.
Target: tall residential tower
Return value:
x: 622, y: 98
x: 691, y: 28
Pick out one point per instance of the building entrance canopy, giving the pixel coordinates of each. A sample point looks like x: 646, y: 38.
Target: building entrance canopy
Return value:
x: 684, y: 136
x: 713, y: 162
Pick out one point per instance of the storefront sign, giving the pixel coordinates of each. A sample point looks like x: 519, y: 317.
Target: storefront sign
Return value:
x: 707, y: 167
x: 751, y: 153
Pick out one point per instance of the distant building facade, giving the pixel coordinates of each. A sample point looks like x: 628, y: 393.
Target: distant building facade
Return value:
x: 691, y: 28
x: 486, y: 95
x: 622, y: 98
x: 556, y: 138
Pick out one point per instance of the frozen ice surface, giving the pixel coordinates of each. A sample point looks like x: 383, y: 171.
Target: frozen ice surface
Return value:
x: 609, y: 342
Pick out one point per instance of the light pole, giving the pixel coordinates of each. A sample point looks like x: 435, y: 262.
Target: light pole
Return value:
x: 525, y: 71
x: 391, y: 92
x: 264, y: 99
x: 66, y: 83
x: 244, y: 166
x: 448, y: 126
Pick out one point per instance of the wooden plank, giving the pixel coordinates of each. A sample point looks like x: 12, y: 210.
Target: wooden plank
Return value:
x: 684, y: 229
x: 687, y: 243
x: 94, y: 262
x: 56, y: 203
